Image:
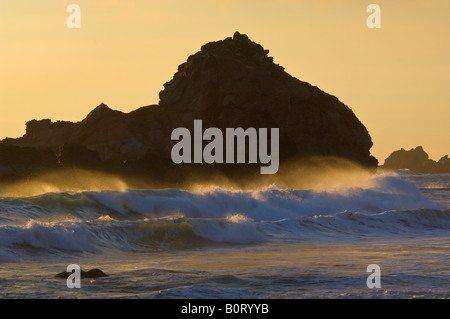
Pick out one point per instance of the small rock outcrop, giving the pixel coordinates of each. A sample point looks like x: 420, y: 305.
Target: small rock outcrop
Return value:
x: 93, y: 273
x: 416, y: 160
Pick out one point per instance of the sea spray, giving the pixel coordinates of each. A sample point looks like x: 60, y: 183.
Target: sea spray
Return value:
x: 60, y: 224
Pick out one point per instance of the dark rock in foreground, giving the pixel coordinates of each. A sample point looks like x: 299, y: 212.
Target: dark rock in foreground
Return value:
x: 416, y: 160
x: 93, y: 273
x: 227, y: 84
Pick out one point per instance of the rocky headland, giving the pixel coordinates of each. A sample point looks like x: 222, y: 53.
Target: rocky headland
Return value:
x: 227, y: 84
x: 416, y: 160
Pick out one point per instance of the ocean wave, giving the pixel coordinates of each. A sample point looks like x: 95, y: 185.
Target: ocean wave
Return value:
x: 146, y: 220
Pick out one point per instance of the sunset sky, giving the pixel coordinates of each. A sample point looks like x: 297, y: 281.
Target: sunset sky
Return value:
x: 395, y: 79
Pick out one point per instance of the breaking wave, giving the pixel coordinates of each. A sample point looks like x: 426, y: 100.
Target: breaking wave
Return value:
x: 155, y: 220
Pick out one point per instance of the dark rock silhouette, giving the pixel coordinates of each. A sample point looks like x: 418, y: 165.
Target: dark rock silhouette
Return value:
x: 18, y: 161
x: 109, y: 133
x: 228, y: 83
x: 93, y: 273
x: 416, y: 160
x: 233, y: 83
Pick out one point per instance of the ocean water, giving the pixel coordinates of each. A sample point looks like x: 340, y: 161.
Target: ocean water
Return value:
x: 220, y: 243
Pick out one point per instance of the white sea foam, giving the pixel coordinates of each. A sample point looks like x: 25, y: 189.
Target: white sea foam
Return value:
x: 383, y: 205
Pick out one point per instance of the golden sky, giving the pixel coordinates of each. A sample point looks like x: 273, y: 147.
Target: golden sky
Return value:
x: 395, y: 79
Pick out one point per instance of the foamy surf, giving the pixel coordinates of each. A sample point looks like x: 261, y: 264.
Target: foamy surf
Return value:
x: 156, y: 220
x: 214, y: 242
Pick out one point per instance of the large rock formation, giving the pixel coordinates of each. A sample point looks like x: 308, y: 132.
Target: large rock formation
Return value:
x: 416, y: 160
x: 234, y: 83
x: 227, y: 84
